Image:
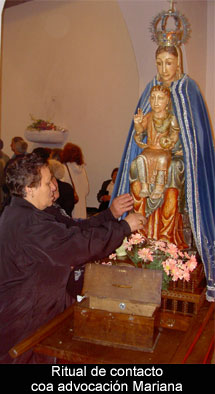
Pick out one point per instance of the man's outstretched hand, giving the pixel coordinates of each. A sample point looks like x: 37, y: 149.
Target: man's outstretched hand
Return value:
x: 121, y: 204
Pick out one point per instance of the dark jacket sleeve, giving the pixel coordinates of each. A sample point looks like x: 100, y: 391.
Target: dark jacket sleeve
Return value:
x: 99, y: 242
x: 55, y: 210
x: 93, y: 221
x: 74, y: 246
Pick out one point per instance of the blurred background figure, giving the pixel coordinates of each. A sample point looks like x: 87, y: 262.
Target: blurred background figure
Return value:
x: 3, y: 161
x: 3, y: 155
x: 65, y: 198
x: 75, y: 174
x: 42, y: 152
x: 18, y: 146
x: 56, y: 154
x: 104, y: 194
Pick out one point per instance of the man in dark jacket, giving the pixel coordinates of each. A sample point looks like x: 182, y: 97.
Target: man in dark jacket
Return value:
x: 37, y: 253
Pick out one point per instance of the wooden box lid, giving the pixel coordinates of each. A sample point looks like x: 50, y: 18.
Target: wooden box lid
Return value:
x: 123, y: 283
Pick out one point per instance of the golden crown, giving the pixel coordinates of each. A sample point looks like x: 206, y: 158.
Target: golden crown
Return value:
x: 176, y: 33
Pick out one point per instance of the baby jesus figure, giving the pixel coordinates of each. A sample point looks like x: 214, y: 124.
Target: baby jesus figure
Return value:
x: 162, y: 131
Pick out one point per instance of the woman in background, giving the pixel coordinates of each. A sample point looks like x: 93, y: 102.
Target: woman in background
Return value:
x: 104, y: 194
x: 65, y: 197
x: 75, y: 174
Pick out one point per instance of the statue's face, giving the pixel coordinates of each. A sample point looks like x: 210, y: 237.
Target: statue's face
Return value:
x: 167, y: 67
x: 159, y: 101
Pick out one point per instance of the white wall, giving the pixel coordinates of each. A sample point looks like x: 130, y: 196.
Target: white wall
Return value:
x: 83, y: 64
x: 73, y: 63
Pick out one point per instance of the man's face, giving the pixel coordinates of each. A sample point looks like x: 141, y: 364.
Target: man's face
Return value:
x: 42, y: 196
x: 56, y: 192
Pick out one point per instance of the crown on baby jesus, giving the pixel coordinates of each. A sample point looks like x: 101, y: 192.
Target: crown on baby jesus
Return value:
x: 170, y: 28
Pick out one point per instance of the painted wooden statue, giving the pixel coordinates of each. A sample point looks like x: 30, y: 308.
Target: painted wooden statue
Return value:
x: 189, y: 184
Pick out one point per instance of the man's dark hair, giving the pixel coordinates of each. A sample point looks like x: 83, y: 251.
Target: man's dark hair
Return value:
x: 24, y: 171
x: 16, y: 139
x: 44, y: 152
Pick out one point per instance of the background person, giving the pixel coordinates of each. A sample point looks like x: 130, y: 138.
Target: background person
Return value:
x: 41, y: 151
x: 18, y: 146
x: 105, y: 193
x: 75, y: 174
x: 3, y: 161
x: 66, y: 199
x: 56, y: 154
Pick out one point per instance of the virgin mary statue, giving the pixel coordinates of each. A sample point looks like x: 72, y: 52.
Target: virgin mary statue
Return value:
x: 196, y: 145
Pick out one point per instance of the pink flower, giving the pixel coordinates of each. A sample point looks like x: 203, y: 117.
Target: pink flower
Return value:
x: 166, y: 267
x: 127, y: 245
x: 177, y: 265
x: 176, y: 273
x: 186, y: 276
x: 175, y: 277
x: 180, y: 253
x: 172, y: 262
x: 192, y: 263
x: 145, y: 254
x: 136, y: 239
x: 172, y: 250
x: 112, y: 256
x: 160, y: 245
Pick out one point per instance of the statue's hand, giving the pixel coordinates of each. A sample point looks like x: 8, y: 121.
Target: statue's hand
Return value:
x: 138, y: 118
x: 178, y: 153
x: 165, y: 143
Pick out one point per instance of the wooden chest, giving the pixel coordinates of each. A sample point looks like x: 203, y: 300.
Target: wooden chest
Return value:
x: 120, y: 308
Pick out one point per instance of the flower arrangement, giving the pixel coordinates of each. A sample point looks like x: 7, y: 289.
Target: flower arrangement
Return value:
x: 40, y: 124
x: 175, y: 264
x: 44, y: 131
